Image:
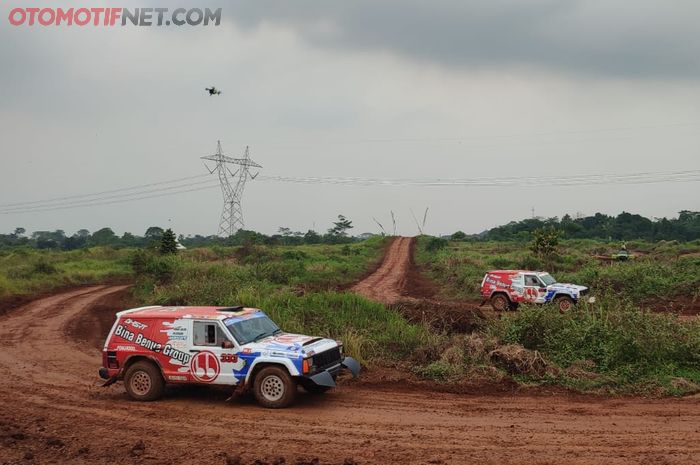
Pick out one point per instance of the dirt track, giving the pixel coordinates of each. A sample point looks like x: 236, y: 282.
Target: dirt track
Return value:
x: 398, y: 282
x: 53, y: 412
x: 385, y: 284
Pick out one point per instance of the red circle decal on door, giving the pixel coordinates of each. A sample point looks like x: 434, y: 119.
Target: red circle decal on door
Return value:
x: 205, y: 366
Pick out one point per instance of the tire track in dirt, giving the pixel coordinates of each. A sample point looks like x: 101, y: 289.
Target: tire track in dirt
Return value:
x: 387, y: 283
x: 54, y: 412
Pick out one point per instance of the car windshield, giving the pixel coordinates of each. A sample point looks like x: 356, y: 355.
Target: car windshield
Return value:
x: 547, y: 279
x: 251, y: 329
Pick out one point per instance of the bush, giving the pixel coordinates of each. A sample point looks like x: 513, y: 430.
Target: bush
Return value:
x: 278, y: 272
x: 43, y: 267
x: 531, y: 262
x: 628, y: 345
x: 294, y: 255
x: 159, y: 269
x: 436, y: 243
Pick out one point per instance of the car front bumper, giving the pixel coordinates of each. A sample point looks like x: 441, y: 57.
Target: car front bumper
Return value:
x: 327, y: 376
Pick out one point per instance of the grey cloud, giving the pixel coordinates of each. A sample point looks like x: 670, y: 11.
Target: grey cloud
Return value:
x: 610, y: 38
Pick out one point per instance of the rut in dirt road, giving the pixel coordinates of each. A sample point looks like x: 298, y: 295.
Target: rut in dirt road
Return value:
x: 53, y: 411
x: 387, y: 283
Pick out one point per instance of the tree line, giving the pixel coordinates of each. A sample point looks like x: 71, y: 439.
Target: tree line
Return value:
x: 153, y: 238
x: 625, y: 226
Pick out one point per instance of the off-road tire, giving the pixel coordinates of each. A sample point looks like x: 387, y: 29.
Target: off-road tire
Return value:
x: 500, y: 303
x: 144, y: 382
x: 274, y: 387
x: 564, y: 303
x: 313, y: 388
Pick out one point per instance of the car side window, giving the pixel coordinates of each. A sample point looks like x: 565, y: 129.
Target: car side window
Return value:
x: 531, y: 281
x: 207, y: 333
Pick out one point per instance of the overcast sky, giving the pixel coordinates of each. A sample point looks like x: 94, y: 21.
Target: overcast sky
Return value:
x: 381, y: 89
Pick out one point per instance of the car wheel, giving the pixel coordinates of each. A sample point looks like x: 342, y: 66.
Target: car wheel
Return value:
x: 274, y: 387
x: 313, y: 388
x: 144, y: 382
x: 564, y: 303
x: 500, y: 303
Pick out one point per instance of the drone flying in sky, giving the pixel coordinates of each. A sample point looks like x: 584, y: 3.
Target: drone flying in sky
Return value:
x: 213, y: 91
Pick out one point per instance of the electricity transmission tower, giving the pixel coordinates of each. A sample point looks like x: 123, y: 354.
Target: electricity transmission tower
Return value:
x: 232, y: 214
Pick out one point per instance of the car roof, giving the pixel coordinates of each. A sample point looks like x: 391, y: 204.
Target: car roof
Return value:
x: 208, y: 313
x: 516, y: 271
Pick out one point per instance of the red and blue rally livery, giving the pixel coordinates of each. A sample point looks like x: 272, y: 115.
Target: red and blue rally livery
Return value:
x: 505, y: 289
x: 240, y: 347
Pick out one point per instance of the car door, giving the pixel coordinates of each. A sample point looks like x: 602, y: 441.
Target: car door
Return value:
x: 534, y: 289
x: 214, y: 356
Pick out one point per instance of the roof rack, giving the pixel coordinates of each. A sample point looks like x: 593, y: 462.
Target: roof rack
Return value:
x: 237, y: 308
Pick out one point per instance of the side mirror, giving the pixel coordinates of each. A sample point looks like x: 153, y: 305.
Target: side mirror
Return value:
x: 227, y: 345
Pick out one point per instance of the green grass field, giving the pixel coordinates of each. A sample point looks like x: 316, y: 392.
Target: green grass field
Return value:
x: 25, y: 271
x: 660, y: 271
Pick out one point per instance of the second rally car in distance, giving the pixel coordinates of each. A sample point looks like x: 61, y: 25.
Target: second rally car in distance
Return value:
x: 235, y: 346
x: 505, y: 289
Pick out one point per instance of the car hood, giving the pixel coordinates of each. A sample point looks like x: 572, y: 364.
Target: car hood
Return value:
x: 566, y: 287
x: 291, y: 345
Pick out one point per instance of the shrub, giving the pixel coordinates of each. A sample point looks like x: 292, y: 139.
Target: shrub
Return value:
x: 436, y: 243
x: 294, y: 255
x: 545, y: 241
x: 160, y: 269
x: 620, y: 341
x: 43, y: 267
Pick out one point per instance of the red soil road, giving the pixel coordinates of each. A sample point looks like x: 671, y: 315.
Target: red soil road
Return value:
x: 54, y: 412
x: 385, y: 284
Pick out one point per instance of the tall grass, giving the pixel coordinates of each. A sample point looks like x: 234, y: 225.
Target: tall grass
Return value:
x: 25, y: 270
x: 629, y: 347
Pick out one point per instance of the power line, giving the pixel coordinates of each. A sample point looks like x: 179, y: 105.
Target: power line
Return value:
x: 128, y: 194
x: 514, y: 181
x: 97, y: 203
x: 88, y: 199
x: 68, y: 197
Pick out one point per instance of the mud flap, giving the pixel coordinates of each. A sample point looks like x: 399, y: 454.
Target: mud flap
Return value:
x: 323, y: 379
x: 352, y: 365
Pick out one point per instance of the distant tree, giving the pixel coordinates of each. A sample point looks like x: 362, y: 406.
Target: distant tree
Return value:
x: 154, y: 232
x: 340, y: 227
x: 104, y: 236
x: 84, y: 233
x: 284, y: 231
x: 19, y: 232
x: 45, y: 243
x: 458, y: 236
x: 312, y: 237
x: 128, y: 239
x: 545, y: 241
x: 168, y: 242
x: 73, y: 242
